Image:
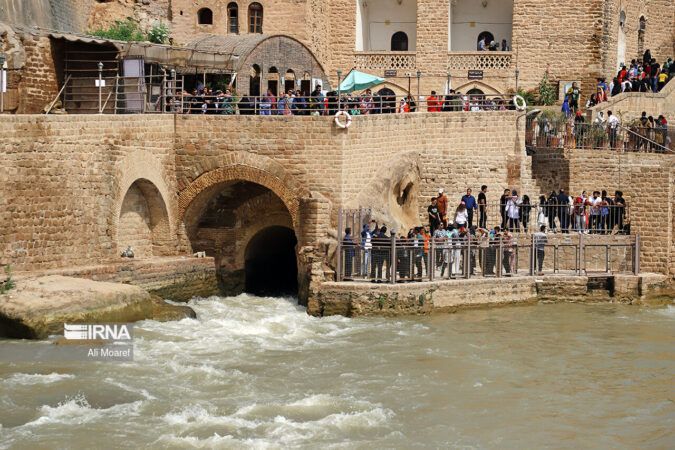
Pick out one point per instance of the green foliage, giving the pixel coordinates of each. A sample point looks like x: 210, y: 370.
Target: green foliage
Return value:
x: 553, y: 116
x: 159, y: 34
x: 8, y: 283
x: 547, y: 91
x: 121, y: 30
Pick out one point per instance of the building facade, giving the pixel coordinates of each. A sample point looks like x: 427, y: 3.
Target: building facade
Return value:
x: 575, y: 41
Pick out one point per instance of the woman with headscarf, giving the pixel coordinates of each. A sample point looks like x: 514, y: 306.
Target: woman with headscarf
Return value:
x: 552, y: 209
x: 566, y: 107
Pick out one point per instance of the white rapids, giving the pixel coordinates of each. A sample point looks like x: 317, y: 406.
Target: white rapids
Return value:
x: 258, y: 372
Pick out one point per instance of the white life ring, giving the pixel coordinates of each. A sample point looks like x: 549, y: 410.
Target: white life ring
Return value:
x: 340, y: 124
x: 522, y: 106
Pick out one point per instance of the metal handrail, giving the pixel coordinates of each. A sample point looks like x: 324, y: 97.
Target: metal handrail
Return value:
x: 58, y: 95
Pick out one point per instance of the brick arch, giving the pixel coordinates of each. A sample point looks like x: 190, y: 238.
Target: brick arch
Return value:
x: 241, y: 172
x: 146, y: 171
x: 486, y: 88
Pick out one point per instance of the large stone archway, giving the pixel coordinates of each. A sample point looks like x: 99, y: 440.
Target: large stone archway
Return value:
x: 223, y: 210
x: 280, y: 186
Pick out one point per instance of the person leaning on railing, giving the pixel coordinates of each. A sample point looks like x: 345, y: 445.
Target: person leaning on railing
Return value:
x: 349, y: 251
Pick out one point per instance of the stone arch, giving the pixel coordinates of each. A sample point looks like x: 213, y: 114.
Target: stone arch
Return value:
x: 486, y: 88
x: 266, y: 173
x: 143, y: 221
x: 145, y: 167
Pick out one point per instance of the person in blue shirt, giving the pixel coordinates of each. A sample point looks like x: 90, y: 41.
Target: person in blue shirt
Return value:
x: 471, y: 205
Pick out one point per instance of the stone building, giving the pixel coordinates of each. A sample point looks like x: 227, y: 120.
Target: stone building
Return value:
x: 580, y: 41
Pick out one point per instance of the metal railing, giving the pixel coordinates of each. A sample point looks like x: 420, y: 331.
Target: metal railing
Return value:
x: 161, y: 94
x: 544, y: 133
x: 604, y: 218
x: 404, y: 259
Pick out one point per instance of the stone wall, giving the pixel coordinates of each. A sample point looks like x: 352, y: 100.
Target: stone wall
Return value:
x: 62, y: 197
x: 629, y: 105
x: 35, y: 70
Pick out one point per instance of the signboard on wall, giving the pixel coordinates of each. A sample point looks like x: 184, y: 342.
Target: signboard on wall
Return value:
x: 389, y: 73
x: 475, y: 75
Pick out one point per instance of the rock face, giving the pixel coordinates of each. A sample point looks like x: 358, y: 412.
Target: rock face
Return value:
x: 38, y: 307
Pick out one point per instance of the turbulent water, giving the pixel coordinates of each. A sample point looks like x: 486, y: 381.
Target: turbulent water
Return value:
x: 259, y: 372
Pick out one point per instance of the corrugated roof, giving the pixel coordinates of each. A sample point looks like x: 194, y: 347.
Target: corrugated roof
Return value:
x: 186, y: 58
x: 240, y: 45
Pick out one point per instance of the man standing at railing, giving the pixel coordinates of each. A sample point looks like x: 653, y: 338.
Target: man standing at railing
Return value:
x: 594, y: 221
x: 482, y: 205
x: 612, y: 125
x: 442, y: 203
x: 470, y: 201
x: 563, y: 211
x: 573, y: 94
x: 502, y: 206
x: 433, y: 103
x: 619, y: 209
x: 540, y: 241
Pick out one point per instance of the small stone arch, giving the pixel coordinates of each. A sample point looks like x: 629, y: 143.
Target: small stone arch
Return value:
x: 146, y: 173
x: 471, y: 85
x: 143, y: 221
x: 275, y: 180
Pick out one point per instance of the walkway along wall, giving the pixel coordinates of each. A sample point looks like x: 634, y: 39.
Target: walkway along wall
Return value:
x: 76, y: 190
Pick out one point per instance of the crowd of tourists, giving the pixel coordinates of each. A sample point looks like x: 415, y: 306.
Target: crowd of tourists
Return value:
x: 561, y: 212
x: 294, y: 102
x: 641, y: 76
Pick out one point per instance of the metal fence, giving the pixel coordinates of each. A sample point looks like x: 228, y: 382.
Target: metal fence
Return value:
x: 403, y: 259
x: 163, y: 94
x: 545, y: 133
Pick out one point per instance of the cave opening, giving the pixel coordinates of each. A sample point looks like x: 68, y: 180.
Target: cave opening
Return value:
x: 270, y: 263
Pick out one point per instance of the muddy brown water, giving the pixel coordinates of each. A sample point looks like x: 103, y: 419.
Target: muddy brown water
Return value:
x: 255, y: 372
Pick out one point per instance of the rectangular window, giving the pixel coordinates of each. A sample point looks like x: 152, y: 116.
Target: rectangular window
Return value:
x: 255, y: 20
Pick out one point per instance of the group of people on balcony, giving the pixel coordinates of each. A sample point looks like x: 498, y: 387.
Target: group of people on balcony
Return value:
x: 493, y: 46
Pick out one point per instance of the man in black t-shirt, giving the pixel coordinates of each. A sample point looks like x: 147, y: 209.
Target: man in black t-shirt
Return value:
x: 482, y: 207
x: 434, y: 217
x: 502, y: 206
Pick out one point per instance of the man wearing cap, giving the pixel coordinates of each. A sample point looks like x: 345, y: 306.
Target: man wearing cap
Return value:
x: 471, y: 206
x: 442, y: 204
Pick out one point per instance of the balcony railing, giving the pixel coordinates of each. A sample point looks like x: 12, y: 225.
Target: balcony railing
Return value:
x: 479, y: 60
x: 383, y: 60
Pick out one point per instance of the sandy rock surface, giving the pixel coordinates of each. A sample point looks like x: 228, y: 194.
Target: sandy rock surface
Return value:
x: 38, y: 307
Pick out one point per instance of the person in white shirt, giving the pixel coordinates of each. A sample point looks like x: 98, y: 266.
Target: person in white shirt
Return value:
x: 513, y: 211
x: 612, y: 126
x: 594, y: 219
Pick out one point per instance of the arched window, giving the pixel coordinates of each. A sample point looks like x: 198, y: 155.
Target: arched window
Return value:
x: 233, y: 17
x: 489, y: 37
x: 255, y: 18
x: 642, y: 27
x: 254, y: 82
x: 205, y: 16
x: 399, y: 42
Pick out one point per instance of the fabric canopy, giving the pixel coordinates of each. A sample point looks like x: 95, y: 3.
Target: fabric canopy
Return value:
x: 357, y: 81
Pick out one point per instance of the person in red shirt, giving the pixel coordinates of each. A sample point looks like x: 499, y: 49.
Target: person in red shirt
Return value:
x: 433, y: 103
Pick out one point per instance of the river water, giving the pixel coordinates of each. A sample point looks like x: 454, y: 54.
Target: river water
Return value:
x: 259, y: 372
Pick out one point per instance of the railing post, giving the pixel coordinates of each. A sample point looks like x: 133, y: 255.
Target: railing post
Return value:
x: 636, y: 265
x: 500, y: 258
x: 555, y: 258
x: 532, y: 261
x: 580, y: 262
x: 468, y: 261
x: 432, y: 260
x: 392, y: 260
x: 338, y: 270
x: 607, y: 258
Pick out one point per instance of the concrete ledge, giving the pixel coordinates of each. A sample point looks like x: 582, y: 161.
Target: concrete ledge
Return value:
x: 357, y: 299
x: 177, y: 278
